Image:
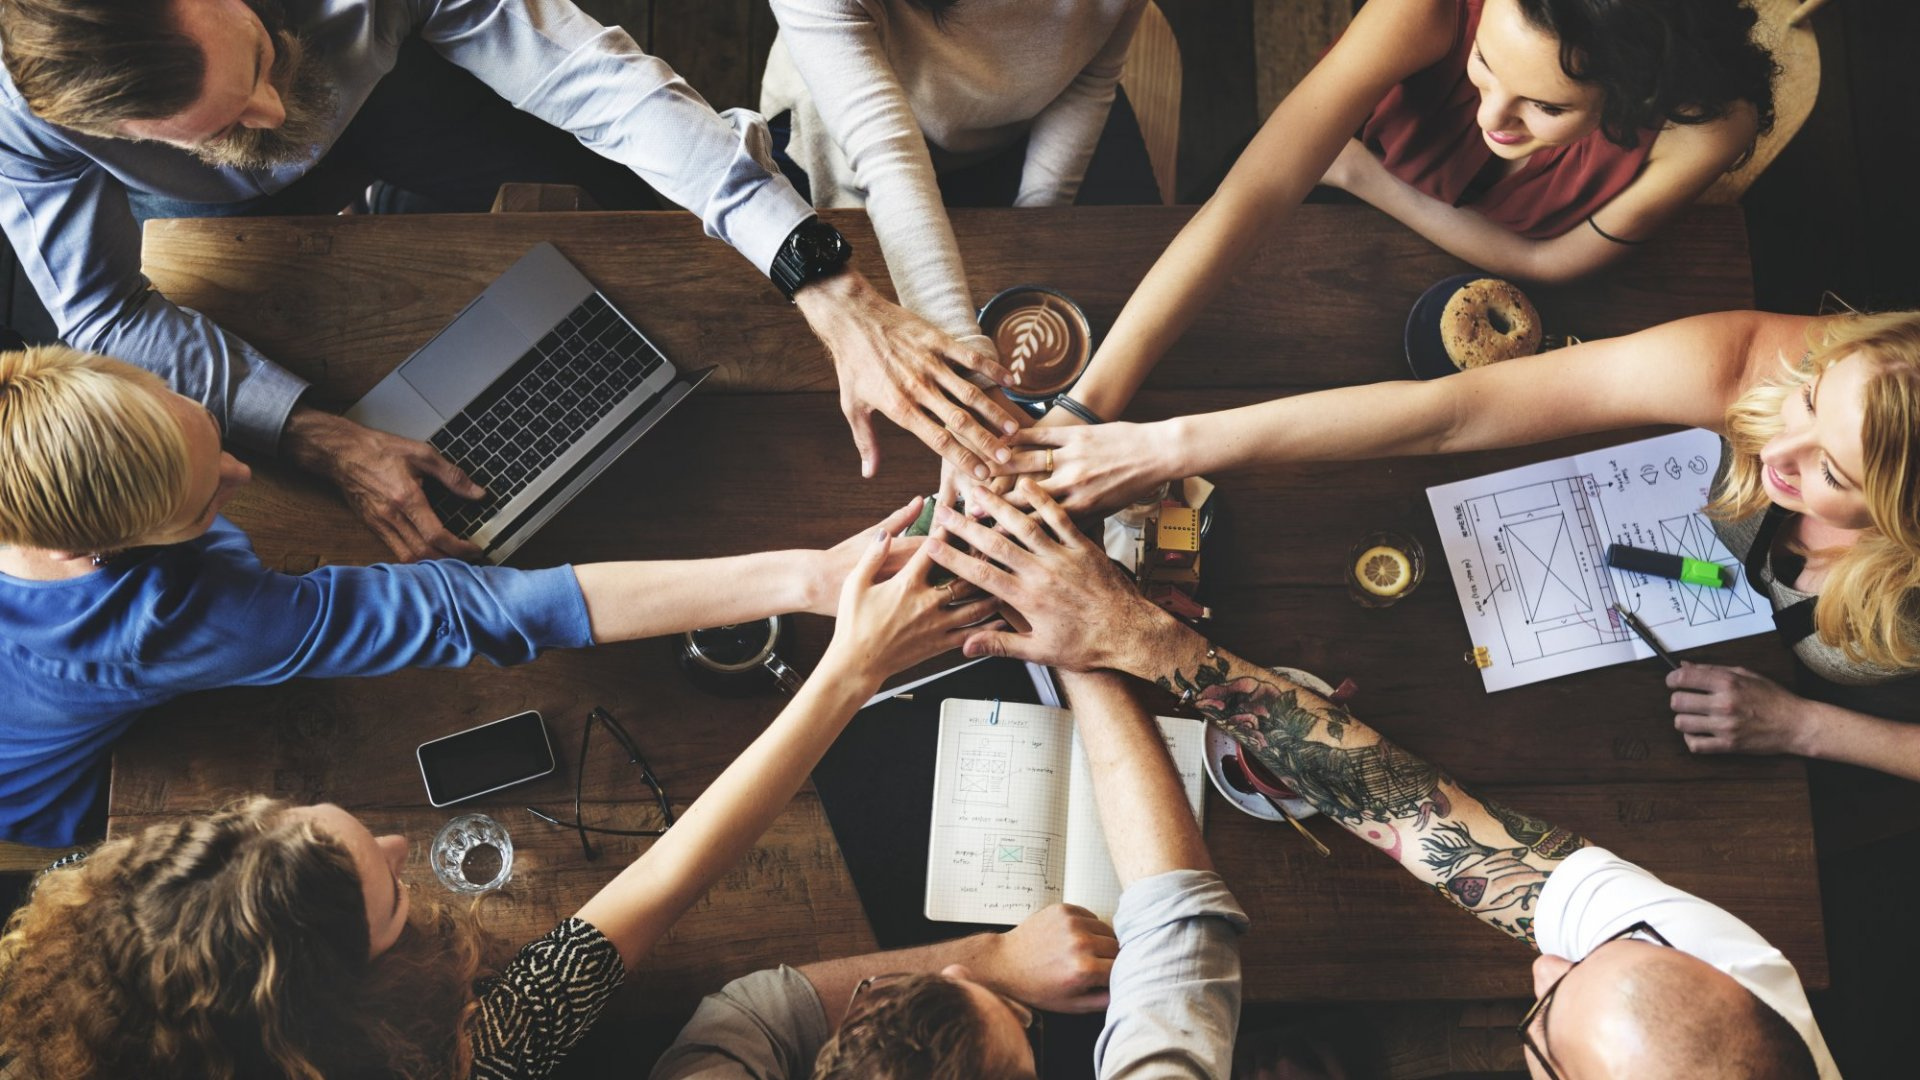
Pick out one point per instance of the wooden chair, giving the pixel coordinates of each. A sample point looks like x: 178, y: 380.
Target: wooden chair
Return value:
x: 28, y: 859
x: 1794, y: 91
x: 1152, y: 81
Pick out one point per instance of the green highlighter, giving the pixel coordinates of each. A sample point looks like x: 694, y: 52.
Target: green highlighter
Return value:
x: 1687, y: 571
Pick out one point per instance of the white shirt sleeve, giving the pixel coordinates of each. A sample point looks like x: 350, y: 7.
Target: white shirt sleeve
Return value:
x: 1064, y: 135
x: 835, y: 45
x: 1595, y: 894
x: 548, y: 58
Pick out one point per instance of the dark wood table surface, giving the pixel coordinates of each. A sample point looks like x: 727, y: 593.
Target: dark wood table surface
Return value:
x: 762, y: 459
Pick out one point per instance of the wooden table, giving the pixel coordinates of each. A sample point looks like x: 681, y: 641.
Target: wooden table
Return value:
x: 762, y: 459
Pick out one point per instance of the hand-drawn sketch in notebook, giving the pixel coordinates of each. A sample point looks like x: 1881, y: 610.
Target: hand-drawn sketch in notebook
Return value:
x: 1527, y: 549
x: 1014, y: 822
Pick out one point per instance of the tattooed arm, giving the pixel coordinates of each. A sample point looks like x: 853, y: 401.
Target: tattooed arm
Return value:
x: 1487, y: 859
x: 1085, y: 615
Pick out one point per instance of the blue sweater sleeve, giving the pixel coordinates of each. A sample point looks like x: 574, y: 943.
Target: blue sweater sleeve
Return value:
x: 231, y: 622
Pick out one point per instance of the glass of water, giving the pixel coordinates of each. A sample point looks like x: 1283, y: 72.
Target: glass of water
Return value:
x: 472, y: 854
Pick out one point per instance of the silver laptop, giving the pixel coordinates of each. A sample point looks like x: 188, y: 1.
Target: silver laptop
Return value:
x: 534, y: 389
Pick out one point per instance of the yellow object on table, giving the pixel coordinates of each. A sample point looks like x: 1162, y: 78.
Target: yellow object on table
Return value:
x: 1179, y: 529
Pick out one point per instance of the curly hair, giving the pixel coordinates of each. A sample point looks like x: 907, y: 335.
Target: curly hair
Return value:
x: 231, y: 945
x: 1870, y: 602
x: 1660, y: 62
x: 923, y: 1027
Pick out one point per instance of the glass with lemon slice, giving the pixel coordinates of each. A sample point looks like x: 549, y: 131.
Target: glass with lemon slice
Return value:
x: 1384, y: 567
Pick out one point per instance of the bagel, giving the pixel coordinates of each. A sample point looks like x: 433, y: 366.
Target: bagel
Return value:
x: 1486, y: 321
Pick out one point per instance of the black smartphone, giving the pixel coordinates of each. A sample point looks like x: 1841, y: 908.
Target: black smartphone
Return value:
x: 485, y: 759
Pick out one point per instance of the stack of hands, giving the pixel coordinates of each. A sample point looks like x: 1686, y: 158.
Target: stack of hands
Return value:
x: 1030, y: 586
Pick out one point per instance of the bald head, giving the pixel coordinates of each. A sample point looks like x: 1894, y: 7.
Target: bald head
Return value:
x: 1636, y: 1009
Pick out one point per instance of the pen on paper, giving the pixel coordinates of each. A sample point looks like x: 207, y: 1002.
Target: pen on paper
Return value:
x: 1645, y: 634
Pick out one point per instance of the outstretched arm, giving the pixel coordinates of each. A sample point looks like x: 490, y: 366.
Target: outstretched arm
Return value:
x: 1085, y: 615
x: 1486, y: 858
x: 882, y: 628
x: 1134, y: 784
x: 629, y: 600
x: 1387, y: 41
x: 1683, y: 372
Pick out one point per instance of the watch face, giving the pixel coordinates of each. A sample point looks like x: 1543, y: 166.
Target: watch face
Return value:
x: 819, y: 245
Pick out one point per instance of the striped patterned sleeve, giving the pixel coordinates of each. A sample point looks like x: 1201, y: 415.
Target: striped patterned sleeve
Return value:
x: 544, y: 1002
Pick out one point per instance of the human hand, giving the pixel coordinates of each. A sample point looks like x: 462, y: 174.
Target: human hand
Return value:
x: 1730, y: 710
x: 893, y: 362
x: 1083, y: 611
x: 1058, y: 959
x: 953, y: 485
x: 380, y: 475
x: 1095, y: 468
x: 831, y: 567
x: 884, y: 626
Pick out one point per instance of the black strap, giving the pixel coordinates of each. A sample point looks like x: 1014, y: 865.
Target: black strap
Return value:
x: 1795, y: 621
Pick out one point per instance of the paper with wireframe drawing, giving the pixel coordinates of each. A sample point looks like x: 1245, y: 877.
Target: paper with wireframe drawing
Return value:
x: 1527, y: 552
x: 1014, y: 825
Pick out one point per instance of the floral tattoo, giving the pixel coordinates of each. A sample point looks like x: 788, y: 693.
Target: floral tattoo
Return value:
x: 1395, y: 801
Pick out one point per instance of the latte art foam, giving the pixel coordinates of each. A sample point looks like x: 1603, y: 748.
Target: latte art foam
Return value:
x: 1042, y: 345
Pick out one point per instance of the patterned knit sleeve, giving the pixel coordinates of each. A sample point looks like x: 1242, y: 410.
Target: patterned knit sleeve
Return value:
x: 544, y: 1002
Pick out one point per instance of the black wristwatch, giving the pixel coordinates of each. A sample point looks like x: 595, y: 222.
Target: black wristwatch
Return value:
x: 813, y: 250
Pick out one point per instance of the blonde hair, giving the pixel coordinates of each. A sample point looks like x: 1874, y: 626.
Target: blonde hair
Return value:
x: 231, y: 945
x: 91, y: 458
x: 1871, y: 596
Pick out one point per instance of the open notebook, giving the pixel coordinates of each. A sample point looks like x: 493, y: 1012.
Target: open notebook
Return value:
x: 1015, y: 827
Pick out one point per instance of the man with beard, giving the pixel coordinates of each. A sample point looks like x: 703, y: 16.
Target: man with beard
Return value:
x: 112, y: 112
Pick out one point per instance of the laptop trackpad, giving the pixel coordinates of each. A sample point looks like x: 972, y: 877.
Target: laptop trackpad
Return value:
x: 466, y: 357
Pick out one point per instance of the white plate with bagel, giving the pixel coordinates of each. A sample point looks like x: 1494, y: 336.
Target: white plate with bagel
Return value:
x: 1469, y: 320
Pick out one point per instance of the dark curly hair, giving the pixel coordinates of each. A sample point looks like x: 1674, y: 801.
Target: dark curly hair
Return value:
x: 1661, y: 61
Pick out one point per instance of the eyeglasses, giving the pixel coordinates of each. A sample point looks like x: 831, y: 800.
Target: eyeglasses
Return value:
x: 1539, y: 1010
x: 1033, y: 1022
x: 603, y: 718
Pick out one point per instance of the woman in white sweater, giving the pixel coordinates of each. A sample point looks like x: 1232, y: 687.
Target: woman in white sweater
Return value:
x: 889, y: 102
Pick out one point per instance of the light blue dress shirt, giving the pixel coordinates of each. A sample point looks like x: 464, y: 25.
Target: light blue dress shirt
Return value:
x: 80, y: 659
x: 63, y: 194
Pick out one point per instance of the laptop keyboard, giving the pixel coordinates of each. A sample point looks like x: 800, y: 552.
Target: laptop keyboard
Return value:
x: 539, y: 408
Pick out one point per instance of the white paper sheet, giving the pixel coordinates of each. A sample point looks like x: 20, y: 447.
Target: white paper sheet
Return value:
x: 1015, y: 826
x: 1527, y: 551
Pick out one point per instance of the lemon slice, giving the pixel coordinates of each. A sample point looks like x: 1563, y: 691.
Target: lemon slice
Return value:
x: 1383, y: 571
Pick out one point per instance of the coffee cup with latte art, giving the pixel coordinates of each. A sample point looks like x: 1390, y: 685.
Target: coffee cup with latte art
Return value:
x: 1043, y: 338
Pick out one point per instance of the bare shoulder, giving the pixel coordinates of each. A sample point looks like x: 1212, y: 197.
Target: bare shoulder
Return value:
x: 1714, y: 145
x: 1774, y: 341
x: 1399, y: 36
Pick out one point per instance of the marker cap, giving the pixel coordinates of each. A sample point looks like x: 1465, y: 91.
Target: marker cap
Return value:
x: 1702, y: 572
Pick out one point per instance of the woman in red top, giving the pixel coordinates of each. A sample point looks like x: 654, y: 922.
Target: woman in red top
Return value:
x: 1537, y: 139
